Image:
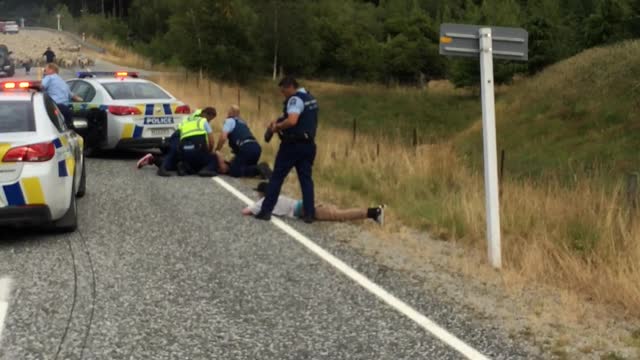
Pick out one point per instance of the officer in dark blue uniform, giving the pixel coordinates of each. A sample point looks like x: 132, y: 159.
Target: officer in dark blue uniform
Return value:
x: 243, y: 144
x: 297, y: 131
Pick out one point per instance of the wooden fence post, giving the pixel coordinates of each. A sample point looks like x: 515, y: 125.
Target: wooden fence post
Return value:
x: 632, y: 190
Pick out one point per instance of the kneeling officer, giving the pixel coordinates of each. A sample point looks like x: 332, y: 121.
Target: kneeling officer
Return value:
x: 196, y: 144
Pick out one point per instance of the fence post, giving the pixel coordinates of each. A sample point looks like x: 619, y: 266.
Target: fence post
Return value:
x: 355, y: 130
x: 632, y: 190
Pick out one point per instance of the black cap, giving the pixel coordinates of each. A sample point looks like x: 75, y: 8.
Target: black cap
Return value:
x: 262, y: 187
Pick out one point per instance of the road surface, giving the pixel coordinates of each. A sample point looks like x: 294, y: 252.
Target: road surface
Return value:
x: 167, y: 268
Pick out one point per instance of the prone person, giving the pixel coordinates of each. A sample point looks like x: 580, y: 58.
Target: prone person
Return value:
x: 292, y: 208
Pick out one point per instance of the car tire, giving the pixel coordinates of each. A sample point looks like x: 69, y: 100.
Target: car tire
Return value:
x: 82, y: 187
x: 69, y: 222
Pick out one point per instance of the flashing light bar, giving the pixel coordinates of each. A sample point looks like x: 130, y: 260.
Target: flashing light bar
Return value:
x: 118, y: 74
x: 19, y: 85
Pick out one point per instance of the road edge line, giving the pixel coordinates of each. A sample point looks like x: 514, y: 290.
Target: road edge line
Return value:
x: 5, y: 290
x: 390, y: 299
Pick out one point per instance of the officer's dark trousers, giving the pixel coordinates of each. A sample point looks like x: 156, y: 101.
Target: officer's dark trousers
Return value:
x: 67, y: 113
x: 290, y: 155
x: 171, y: 159
x: 245, y: 161
x: 197, y: 159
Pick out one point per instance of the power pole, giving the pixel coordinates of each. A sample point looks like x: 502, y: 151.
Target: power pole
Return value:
x: 276, y: 40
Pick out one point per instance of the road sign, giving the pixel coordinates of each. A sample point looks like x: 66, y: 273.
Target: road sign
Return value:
x: 485, y: 43
x: 463, y: 40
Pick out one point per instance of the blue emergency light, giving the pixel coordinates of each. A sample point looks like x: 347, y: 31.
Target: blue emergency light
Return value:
x: 118, y: 74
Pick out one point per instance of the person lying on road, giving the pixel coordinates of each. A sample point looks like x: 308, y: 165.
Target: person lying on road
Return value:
x: 288, y: 207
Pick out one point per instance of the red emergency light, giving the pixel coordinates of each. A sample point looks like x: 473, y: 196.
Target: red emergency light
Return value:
x: 18, y: 85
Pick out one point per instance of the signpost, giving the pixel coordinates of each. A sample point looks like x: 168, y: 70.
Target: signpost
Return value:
x: 486, y: 43
x: 59, y: 27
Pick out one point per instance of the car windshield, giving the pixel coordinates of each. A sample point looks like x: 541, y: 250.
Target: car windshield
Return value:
x: 16, y: 116
x: 134, y: 91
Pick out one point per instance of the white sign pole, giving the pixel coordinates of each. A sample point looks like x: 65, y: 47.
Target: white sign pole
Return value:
x: 59, y: 28
x: 490, y: 152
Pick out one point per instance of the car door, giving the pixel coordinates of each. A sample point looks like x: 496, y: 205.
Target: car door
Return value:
x: 70, y: 139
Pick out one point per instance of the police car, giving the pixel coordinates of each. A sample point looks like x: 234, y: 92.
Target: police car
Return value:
x: 41, y: 160
x: 122, y: 111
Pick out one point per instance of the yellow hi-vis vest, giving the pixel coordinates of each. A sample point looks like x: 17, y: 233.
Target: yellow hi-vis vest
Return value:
x: 193, y: 126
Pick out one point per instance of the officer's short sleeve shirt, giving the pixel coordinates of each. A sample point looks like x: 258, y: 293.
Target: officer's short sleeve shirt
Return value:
x: 295, y: 105
x: 229, y: 125
x: 207, y: 127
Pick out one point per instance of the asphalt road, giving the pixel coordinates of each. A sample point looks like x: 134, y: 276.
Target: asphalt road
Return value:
x: 167, y: 268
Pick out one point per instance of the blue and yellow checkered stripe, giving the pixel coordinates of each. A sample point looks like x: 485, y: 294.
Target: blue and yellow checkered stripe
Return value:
x: 27, y: 191
x: 67, y: 166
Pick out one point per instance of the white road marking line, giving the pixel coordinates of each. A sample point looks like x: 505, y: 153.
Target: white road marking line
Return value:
x: 400, y: 306
x: 5, y: 290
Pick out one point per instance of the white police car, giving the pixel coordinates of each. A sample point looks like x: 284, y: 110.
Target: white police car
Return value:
x: 41, y: 160
x: 121, y: 111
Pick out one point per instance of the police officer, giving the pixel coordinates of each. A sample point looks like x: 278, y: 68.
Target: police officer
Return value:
x: 297, y: 131
x: 59, y: 92
x: 191, y: 146
x: 243, y: 145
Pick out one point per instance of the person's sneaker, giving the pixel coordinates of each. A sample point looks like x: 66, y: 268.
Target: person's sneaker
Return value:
x: 163, y: 172
x: 182, y: 169
x: 265, y: 170
x: 263, y: 216
x: 145, y: 160
x: 207, y: 173
x: 380, y: 215
x: 307, y: 219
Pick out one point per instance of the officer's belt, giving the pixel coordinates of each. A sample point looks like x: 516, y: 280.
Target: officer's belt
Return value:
x: 296, y: 138
x: 245, y: 141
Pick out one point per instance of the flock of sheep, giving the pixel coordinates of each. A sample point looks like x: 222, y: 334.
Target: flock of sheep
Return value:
x: 29, y: 46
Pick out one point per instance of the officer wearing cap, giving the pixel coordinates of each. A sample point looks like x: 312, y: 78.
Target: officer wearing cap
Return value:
x: 297, y: 131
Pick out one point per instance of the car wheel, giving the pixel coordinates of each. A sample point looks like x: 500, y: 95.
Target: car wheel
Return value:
x: 69, y: 222
x: 82, y: 188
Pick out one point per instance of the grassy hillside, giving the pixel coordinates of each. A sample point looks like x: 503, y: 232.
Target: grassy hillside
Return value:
x: 580, y: 114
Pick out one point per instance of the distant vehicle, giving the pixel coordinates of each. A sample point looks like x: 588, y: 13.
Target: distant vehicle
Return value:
x: 11, y: 27
x: 42, y: 168
x: 7, y: 66
x: 121, y: 111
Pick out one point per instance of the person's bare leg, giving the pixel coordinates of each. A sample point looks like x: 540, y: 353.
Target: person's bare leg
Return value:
x: 332, y: 213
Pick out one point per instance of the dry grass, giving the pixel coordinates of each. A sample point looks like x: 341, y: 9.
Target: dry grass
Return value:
x: 577, y: 238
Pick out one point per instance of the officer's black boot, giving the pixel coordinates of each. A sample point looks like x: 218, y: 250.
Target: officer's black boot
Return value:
x: 207, y: 173
x: 163, y: 172
x: 182, y: 169
x: 263, y: 216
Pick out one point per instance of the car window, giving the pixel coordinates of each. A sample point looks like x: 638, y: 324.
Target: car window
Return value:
x: 16, y: 116
x: 134, y: 91
x: 54, y: 114
x: 84, y: 90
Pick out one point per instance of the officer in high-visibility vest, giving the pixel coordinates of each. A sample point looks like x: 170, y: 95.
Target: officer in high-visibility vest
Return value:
x: 245, y: 148
x: 297, y: 130
x: 191, y: 146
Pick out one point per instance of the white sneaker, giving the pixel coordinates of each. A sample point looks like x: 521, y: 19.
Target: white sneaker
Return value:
x: 380, y: 217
